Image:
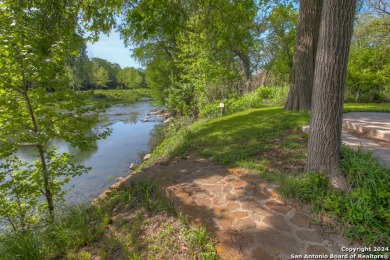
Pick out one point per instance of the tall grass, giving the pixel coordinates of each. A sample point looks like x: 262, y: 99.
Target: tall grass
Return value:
x: 22, y: 246
x: 75, y: 226
x: 366, y: 208
x: 143, y: 194
x: 364, y: 211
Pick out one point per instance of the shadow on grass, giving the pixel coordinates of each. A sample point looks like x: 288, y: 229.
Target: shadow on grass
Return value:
x: 242, y: 136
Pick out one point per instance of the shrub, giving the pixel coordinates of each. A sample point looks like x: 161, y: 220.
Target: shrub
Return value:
x: 261, y: 97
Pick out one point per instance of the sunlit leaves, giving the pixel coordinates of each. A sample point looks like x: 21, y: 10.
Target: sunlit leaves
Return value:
x: 19, y: 194
x: 37, y: 105
x: 130, y: 77
x: 369, y: 59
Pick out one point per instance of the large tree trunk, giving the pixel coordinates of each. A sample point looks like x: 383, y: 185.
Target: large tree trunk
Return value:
x: 299, y: 96
x: 328, y: 92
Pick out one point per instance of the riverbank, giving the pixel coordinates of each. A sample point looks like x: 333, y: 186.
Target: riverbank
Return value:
x: 118, y: 96
x: 220, y: 172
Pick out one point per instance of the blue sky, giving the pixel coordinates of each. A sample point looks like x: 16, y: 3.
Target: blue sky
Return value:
x: 111, y: 48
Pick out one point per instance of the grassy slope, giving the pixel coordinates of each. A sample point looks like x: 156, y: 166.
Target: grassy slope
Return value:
x: 269, y: 142
x: 246, y: 135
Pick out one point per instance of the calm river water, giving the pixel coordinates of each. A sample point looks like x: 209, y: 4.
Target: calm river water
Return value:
x: 113, y: 156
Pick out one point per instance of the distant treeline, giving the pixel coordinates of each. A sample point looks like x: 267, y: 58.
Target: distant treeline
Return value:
x: 97, y: 73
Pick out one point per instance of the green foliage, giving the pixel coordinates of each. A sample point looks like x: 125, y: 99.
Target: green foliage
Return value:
x: 261, y: 97
x: 200, y: 52
x: 100, y: 77
x: 311, y: 188
x: 22, y: 185
x: 195, y: 53
x: 104, y: 73
x: 75, y: 226
x: 369, y: 61
x: 79, y: 69
x: 280, y: 40
x: 368, y: 203
x: 37, y: 40
x: 363, y: 211
x: 19, y: 196
x: 146, y: 195
x: 22, y: 245
x: 201, y: 244
x: 78, y: 228
x: 130, y: 77
x: 118, y: 96
x: 222, y: 139
x: 159, y: 75
x: 84, y: 256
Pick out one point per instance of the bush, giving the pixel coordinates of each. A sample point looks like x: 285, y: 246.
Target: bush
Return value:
x: 368, y: 73
x: 261, y: 97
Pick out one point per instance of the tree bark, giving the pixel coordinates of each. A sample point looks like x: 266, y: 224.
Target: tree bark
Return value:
x: 328, y: 92
x: 299, y: 96
x: 244, y: 57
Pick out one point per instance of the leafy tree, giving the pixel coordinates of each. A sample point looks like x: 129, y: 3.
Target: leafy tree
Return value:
x: 130, y: 77
x: 79, y: 68
x: 37, y: 38
x: 159, y: 75
x: 154, y: 38
x: 279, y: 40
x: 111, y: 68
x: 100, y: 76
x: 368, y: 77
x: 191, y: 46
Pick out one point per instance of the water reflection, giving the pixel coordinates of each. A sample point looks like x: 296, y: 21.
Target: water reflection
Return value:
x: 112, y: 156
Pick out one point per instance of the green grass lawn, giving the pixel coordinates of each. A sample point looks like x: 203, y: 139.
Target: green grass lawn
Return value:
x: 367, y: 107
x: 247, y: 135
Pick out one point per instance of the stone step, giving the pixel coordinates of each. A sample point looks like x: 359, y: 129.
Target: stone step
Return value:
x: 378, y: 132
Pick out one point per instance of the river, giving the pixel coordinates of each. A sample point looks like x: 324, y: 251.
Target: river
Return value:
x: 112, y: 157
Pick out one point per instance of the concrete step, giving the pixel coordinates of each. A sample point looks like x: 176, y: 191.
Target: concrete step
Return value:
x: 379, y: 151
x: 369, y: 131
x: 373, y: 124
x: 374, y: 131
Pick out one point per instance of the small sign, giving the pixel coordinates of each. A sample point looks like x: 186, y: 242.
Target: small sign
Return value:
x: 221, y: 104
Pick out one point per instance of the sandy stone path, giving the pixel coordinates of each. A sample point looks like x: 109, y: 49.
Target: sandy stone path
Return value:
x: 247, y: 216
